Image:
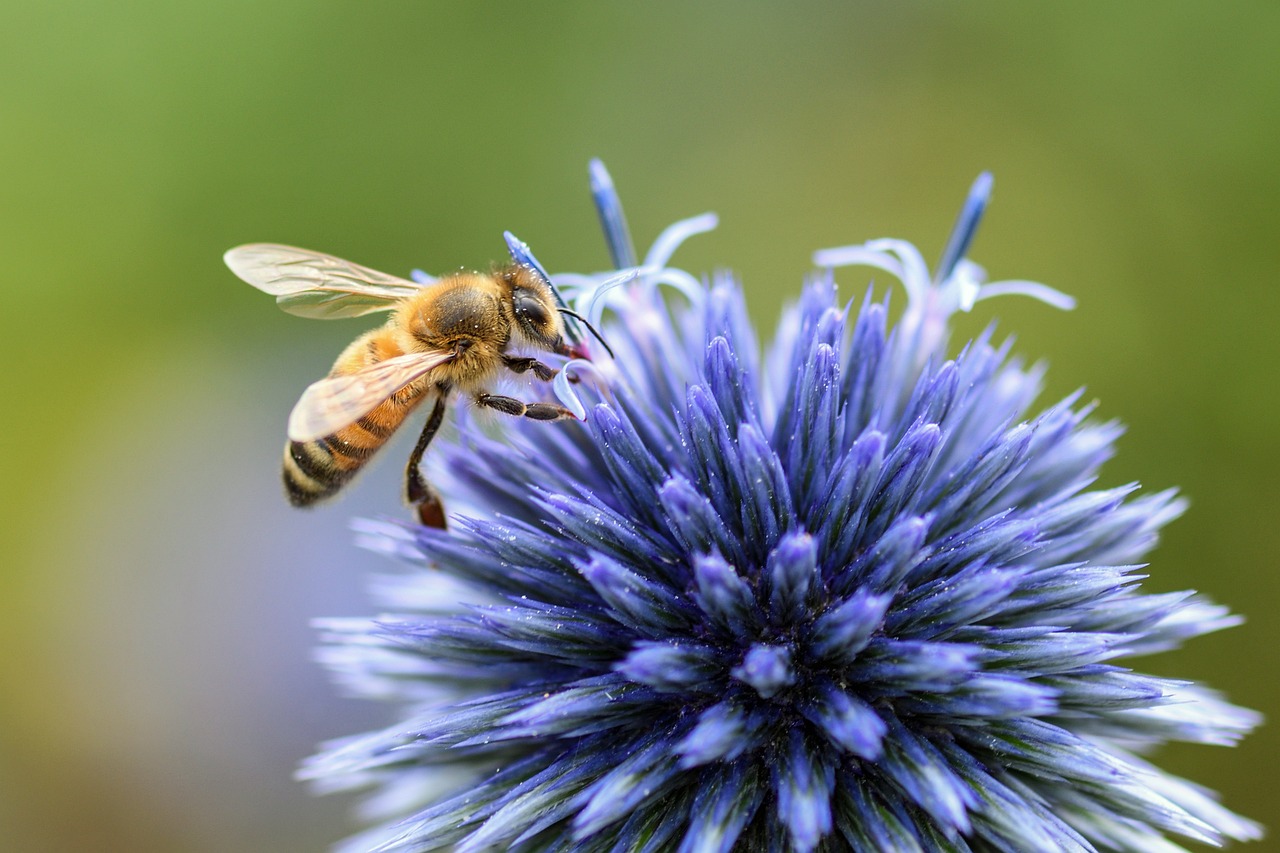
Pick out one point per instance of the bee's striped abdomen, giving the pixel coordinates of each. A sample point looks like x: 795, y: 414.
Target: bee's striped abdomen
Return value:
x: 315, y: 470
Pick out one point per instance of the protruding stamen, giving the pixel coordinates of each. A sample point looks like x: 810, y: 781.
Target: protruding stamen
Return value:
x: 609, y: 208
x: 966, y: 226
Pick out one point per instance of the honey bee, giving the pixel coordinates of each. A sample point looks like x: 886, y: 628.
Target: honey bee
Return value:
x: 452, y: 337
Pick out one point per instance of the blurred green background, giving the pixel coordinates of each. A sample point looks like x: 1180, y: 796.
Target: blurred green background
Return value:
x: 155, y: 591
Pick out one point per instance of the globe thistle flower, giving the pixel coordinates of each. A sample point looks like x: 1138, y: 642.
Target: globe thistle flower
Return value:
x: 853, y: 594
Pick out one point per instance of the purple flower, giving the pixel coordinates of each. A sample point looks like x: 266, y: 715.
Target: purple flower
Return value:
x: 854, y: 594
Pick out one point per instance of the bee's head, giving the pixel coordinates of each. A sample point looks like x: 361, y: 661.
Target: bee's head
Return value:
x: 536, y: 316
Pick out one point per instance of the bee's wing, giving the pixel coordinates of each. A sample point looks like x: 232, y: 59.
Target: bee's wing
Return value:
x: 338, y: 401
x: 316, y: 285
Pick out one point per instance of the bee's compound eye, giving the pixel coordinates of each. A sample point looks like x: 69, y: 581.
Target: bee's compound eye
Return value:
x: 530, y: 309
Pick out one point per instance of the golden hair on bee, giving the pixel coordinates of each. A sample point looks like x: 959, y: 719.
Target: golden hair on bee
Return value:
x: 455, y: 336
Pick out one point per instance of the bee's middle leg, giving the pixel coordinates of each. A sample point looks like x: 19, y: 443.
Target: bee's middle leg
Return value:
x: 536, y: 411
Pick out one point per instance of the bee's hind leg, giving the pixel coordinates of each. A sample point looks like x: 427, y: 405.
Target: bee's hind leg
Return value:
x: 417, y: 490
x: 536, y: 411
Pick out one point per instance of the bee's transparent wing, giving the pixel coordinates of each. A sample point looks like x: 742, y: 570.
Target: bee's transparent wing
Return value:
x: 316, y: 285
x: 339, y: 401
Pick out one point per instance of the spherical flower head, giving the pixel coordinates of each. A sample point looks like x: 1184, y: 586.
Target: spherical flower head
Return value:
x: 853, y: 595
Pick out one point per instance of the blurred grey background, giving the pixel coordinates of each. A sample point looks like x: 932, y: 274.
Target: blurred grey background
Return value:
x: 157, y: 683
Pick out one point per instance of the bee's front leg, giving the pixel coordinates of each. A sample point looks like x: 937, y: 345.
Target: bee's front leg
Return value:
x: 520, y: 365
x: 536, y: 411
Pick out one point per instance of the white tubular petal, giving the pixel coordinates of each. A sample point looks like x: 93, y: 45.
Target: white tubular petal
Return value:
x: 970, y: 270
x: 596, y: 299
x: 960, y: 291
x: 586, y: 293
x: 1034, y: 289
x: 857, y: 256
x: 564, y: 391
x: 575, y: 282
x: 967, y: 293
x: 915, y: 276
x: 669, y: 240
x: 896, y: 257
x: 682, y: 281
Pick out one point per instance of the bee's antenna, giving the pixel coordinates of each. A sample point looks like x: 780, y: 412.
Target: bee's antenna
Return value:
x: 590, y: 328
